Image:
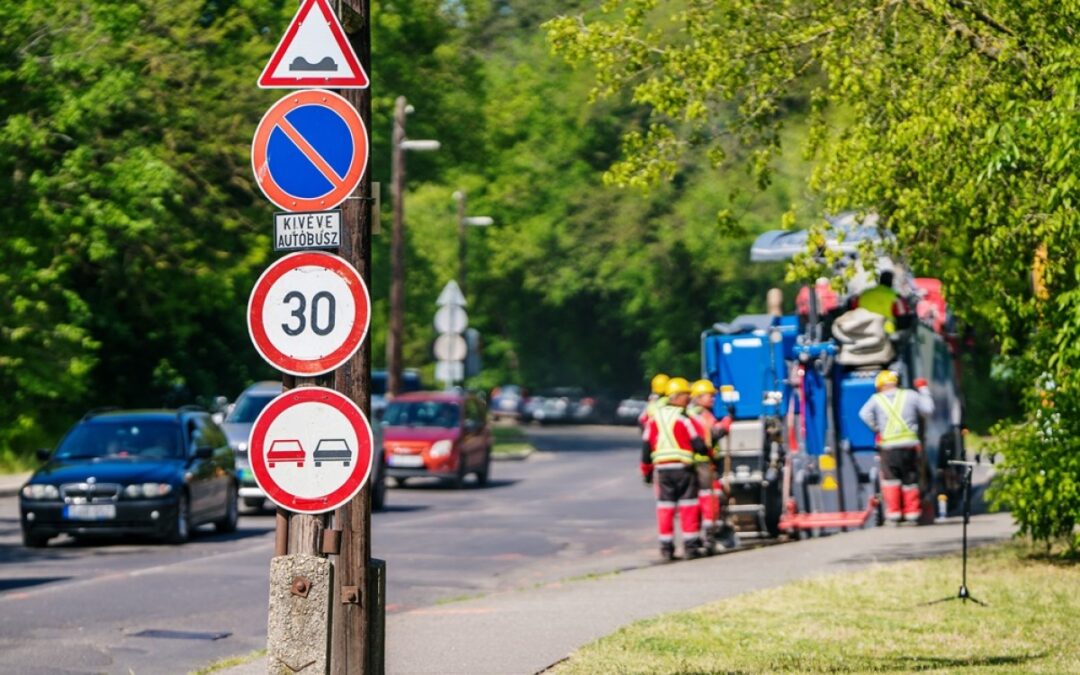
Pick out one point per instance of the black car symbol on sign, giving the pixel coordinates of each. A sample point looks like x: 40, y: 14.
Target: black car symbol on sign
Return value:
x: 286, y: 451
x: 332, y: 450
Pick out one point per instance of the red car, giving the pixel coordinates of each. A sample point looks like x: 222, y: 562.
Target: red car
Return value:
x: 441, y: 434
x: 285, y: 451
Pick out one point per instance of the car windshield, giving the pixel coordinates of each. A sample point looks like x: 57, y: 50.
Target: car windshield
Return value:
x: 421, y: 414
x: 248, y: 408
x: 148, y: 440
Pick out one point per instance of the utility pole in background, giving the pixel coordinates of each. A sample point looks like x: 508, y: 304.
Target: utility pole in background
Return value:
x: 397, y: 253
x: 395, y: 335
x: 462, y: 222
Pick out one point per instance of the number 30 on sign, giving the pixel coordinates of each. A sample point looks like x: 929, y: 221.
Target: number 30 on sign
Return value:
x: 309, y: 312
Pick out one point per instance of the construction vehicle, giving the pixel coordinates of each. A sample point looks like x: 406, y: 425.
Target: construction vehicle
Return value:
x: 798, y: 459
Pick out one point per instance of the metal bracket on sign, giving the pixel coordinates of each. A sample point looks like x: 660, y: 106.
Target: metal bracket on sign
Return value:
x: 350, y: 595
x: 331, y: 542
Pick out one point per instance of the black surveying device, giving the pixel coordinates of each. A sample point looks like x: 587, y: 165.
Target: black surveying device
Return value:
x: 963, y: 593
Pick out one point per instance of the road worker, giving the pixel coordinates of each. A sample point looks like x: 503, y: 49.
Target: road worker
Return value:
x: 702, y: 399
x: 657, y: 398
x: 672, y: 438
x: 893, y: 415
x: 884, y: 300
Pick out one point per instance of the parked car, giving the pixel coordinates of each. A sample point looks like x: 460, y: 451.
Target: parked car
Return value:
x: 238, y: 428
x: 442, y: 434
x: 507, y: 401
x: 557, y: 405
x: 410, y: 381
x: 630, y: 410
x: 157, y: 472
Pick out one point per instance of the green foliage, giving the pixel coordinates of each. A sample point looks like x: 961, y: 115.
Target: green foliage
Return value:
x: 133, y: 230
x: 954, y: 120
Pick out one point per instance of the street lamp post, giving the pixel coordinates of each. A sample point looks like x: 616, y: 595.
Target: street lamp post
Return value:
x: 397, y: 242
x: 463, y: 221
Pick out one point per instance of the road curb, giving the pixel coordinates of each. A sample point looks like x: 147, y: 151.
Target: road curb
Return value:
x: 513, y: 456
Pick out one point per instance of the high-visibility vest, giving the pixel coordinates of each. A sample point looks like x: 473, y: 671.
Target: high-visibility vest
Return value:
x: 896, y: 431
x: 654, y: 407
x: 698, y: 413
x: 667, y: 447
x: 880, y: 300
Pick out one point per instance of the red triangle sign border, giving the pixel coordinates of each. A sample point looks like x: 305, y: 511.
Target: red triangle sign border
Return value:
x: 357, y: 79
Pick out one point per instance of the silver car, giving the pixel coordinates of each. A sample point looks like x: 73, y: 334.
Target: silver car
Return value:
x: 237, y: 429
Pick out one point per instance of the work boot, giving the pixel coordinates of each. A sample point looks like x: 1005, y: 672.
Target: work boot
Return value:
x: 667, y: 551
x: 694, y: 549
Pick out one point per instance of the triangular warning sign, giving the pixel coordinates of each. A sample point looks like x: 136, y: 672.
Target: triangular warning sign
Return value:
x: 314, y: 53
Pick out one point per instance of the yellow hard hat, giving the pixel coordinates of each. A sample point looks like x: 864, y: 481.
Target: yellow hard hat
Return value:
x: 702, y: 387
x: 886, y: 377
x: 677, y: 385
x: 659, y: 384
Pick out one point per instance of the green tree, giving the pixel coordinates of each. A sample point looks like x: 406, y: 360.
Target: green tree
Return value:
x: 953, y: 119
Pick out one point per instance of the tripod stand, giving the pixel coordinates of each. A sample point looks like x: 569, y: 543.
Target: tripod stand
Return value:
x: 963, y: 593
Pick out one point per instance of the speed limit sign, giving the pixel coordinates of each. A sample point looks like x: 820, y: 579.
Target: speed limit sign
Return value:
x: 308, y: 313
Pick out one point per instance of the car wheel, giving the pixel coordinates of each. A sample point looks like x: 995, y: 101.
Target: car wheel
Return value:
x: 227, y: 523
x: 180, y: 531
x: 482, y: 474
x: 31, y: 540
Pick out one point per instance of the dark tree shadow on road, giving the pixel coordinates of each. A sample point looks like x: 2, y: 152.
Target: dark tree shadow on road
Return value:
x: 439, y: 485
x: 584, y: 438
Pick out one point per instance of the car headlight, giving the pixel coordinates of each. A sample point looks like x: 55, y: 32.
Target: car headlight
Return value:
x: 441, y: 448
x: 41, y: 491
x: 147, y: 490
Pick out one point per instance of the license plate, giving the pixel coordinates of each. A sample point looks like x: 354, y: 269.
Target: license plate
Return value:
x: 90, y: 511
x: 412, y: 461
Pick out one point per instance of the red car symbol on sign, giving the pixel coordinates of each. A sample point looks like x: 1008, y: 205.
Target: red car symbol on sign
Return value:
x: 286, y: 451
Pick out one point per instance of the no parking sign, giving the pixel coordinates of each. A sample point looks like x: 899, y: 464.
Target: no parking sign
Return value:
x: 310, y: 151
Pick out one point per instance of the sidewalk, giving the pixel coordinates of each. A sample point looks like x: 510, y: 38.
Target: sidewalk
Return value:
x: 529, y: 630
x: 11, y: 483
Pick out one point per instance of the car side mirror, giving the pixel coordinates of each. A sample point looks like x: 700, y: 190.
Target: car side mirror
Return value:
x: 43, y: 454
x: 204, y: 452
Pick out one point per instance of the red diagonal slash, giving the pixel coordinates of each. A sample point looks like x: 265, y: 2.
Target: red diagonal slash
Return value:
x: 311, y: 153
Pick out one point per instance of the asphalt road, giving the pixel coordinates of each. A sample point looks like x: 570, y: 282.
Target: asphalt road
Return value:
x: 575, y: 508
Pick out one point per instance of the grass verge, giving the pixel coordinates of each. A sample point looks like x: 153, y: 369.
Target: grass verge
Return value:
x: 510, y: 440
x: 870, y: 621
x: 218, y: 666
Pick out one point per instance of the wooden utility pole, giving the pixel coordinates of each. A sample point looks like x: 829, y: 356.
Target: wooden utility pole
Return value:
x: 356, y: 631
x: 459, y: 196
x: 397, y: 252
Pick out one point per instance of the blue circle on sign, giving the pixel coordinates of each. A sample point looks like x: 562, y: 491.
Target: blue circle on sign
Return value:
x: 310, y: 151
x: 327, y: 134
